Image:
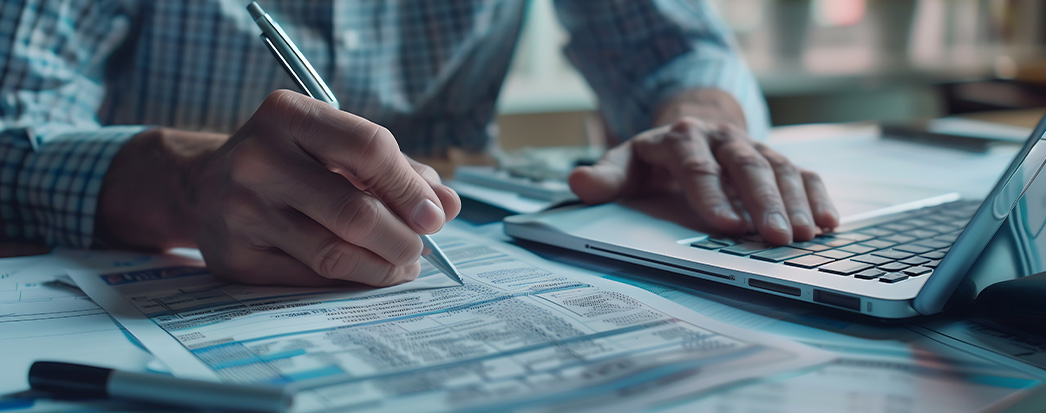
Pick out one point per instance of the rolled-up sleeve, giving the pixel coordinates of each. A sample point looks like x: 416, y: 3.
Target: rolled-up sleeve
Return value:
x: 53, y: 151
x: 636, y: 54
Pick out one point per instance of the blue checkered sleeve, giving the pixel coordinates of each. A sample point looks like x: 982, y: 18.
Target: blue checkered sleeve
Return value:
x: 53, y: 151
x: 636, y: 54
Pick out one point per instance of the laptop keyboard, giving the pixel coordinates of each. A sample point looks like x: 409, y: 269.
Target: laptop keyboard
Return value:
x: 891, y: 252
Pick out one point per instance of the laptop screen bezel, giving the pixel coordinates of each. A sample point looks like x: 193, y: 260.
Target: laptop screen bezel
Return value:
x: 977, y: 234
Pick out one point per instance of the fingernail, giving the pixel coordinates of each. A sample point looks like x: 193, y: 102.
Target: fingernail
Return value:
x: 801, y: 220
x: 777, y: 221
x: 428, y: 216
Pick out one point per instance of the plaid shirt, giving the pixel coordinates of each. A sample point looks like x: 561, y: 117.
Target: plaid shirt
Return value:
x: 76, y: 76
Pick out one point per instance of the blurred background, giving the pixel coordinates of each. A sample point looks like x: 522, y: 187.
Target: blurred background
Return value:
x: 818, y: 61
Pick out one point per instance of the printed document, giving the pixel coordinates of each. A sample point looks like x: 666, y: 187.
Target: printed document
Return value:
x: 40, y: 316
x: 522, y: 333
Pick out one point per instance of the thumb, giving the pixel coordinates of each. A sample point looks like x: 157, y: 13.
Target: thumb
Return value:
x: 606, y: 180
x: 384, y: 171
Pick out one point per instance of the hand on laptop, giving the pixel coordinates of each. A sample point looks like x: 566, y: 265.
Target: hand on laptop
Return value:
x: 714, y: 165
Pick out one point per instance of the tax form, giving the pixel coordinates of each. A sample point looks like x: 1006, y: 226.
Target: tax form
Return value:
x: 40, y: 316
x: 521, y: 333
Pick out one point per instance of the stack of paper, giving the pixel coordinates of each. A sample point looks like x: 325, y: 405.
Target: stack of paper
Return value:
x: 521, y: 333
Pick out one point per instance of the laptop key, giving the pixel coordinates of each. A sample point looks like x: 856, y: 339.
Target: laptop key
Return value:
x: 892, y: 277
x: 939, y: 218
x: 856, y: 236
x: 809, y: 246
x: 780, y: 254
x: 921, y: 233
x: 725, y: 241
x: 892, y: 253
x: 898, y: 238
x: 856, y: 249
x: 746, y: 248
x: 933, y: 255
x: 878, y: 244
x: 872, y: 259
x: 870, y: 274
x: 707, y: 244
x: 917, y: 271
x: 897, y: 227
x: 918, y: 222
x: 932, y: 264
x: 949, y: 238
x: 845, y: 267
x: 876, y: 232
x: 893, y: 266
x: 833, y: 241
x: 835, y: 254
x: 808, y: 261
x: 942, y: 228
x: 916, y: 260
x: 913, y: 248
x: 934, y: 244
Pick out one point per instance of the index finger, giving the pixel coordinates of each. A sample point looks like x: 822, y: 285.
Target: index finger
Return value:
x: 368, y: 152
x: 756, y: 185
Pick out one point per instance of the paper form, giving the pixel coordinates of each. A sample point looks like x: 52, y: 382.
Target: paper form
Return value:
x: 521, y: 333
x: 871, y: 384
x: 43, y: 319
x: 880, y: 367
x: 988, y: 340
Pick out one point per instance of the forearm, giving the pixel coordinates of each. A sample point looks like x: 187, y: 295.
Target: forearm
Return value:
x: 146, y: 197
x: 707, y: 104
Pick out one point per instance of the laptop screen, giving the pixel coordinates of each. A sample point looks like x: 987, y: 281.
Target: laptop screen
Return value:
x: 1002, y: 241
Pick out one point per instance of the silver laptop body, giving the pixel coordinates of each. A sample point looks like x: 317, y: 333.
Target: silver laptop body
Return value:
x: 926, y: 253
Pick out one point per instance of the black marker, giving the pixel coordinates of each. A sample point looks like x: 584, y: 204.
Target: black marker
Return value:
x: 69, y: 379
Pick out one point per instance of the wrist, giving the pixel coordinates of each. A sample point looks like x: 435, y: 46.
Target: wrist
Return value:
x: 147, y: 199
x: 707, y: 104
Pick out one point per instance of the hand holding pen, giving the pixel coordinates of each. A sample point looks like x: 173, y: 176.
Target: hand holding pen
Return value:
x: 302, y: 194
x: 302, y: 72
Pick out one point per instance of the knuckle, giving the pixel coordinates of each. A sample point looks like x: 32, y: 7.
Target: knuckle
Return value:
x: 389, y: 275
x: 283, y: 99
x: 782, y: 165
x: 429, y: 173
x: 674, y: 139
x: 405, y: 251
x: 687, y: 125
x: 399, y: 189
x: 410, y: 252
x: 356, y: 217
x: 730, y: 128
x: 700, y: 167
x: 249, y: 164
x: 279, y: 101
x: 379, y: 144
x: 241, y: 212
x: 747, y: 159
x: 337, y: 260
x: 810, y: 176
x: 291, y: 109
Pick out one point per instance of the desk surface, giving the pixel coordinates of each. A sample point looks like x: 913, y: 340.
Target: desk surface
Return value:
x: 881, y: 366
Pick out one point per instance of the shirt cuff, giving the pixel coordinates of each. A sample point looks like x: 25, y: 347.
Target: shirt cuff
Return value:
x: 50, y: 194
x: 715, y: 68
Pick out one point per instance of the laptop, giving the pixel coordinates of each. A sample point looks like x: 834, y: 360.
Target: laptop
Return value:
x: 912, y: 260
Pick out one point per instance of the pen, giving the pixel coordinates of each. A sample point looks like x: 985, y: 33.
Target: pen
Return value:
x: 69, y: 379
x: 309, y: 81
